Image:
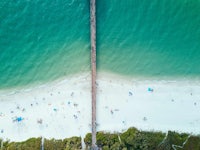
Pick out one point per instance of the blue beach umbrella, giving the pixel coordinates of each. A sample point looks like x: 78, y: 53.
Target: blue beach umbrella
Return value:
x: 150, y: 89
x: 19, y: 119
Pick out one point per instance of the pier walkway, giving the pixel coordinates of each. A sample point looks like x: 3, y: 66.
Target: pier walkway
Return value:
x: 93, y: 68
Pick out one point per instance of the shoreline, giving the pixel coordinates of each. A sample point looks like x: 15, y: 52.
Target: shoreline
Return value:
x: 62, y: 108
x: 32, y: 86
x: 102, y: 75
x: 127, y: 78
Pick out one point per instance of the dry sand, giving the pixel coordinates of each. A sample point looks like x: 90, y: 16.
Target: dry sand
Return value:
x: 63, y: 108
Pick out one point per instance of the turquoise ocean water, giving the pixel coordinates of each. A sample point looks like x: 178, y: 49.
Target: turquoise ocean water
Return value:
x: 44, y: 40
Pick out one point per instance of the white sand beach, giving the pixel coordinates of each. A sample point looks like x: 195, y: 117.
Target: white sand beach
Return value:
x: 63, y: 108
x: 56, y: 110
x: 148, y: 104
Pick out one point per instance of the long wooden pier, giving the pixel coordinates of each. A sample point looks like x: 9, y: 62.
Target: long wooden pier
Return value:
x: 93, y: 68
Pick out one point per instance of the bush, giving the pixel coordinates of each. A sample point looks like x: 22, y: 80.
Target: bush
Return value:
x: 193, y: 143
x: 173, y: 138
x: 5, y: 144
x: 104, y: 141
x: 88, y: 140
x: 176, y: 138
x: 53, y: 144
x: 135, y: 139
x: 150, y: 140
x: 30, y: 144
x: 132, y: 139
x: 129, y: 137
x: 73, y: 143
x: 108, y: 140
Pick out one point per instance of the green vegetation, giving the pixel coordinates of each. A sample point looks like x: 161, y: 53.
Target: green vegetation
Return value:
x: 73, y: 143
x: 132, y: 139
x: 30, y: 144
x: 135, y: 139
x: 193, y: 143
x: 173, y: 138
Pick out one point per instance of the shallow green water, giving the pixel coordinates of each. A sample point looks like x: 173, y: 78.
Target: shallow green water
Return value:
x: 157, y: 38
x: 44, y: 40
